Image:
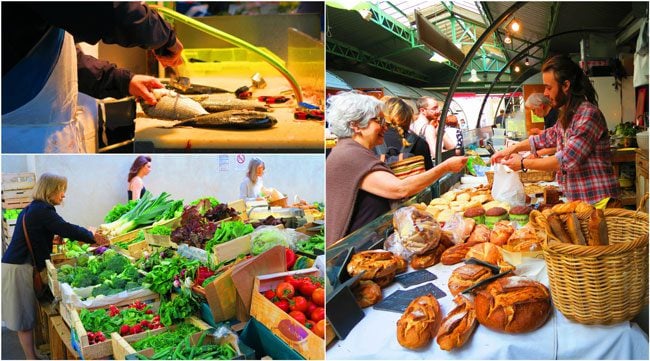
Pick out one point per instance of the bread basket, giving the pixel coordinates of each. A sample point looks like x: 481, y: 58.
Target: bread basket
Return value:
x: 531, y: 176
x: 600, y: 284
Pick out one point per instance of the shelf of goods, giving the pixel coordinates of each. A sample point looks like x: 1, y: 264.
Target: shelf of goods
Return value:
x: 516, y: 250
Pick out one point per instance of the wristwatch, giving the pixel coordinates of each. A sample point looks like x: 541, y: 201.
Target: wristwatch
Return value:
x: 523, y: 169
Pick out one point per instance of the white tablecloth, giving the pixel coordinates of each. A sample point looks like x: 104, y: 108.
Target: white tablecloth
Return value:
x: 374, y: 337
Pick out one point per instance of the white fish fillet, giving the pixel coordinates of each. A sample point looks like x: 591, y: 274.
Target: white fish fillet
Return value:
x: 173, y: 106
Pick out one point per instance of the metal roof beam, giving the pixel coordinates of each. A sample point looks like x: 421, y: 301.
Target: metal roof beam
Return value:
x: 346, y: 51
x: 552, y: 24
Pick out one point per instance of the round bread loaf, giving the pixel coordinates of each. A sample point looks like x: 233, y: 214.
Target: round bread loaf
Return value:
x: 427, y: 259
x: 375, y: 263
x: 487, y: 252
x: 466, y: 276
x: 367, y: 293
x: 501, y: 233
x: 420, y: 322
x: 513, y: 305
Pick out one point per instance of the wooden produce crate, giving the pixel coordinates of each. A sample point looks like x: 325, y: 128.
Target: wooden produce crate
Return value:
x: 14, y: 203
x: 17, y: 181
x: 221, y: 296
x: 122, y: 344
x: 135, y: 250
x: 52, y: 276
x: 279, y: 322
x: 240, y: 206
x: 8, y: 226
x: 159, y: 240
x: 104, y: 349
x: 228, y: 251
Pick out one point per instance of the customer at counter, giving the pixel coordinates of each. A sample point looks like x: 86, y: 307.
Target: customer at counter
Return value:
x: 252, y: 186
x: 583, y: 158
x: 427, y: 122
x: 43, y: 74
x: 360, y: 187
x: 42, y: 223
x: 399, y: 116
x: 541, y: 107
x: 139, y: 169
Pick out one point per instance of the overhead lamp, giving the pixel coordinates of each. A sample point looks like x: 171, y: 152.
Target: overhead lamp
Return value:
x: 365, y: 14
x: 473, y: 76
x: 517, y: 69
x: 507, y: 39
x: 515, y: 25
x: 437, y: 57
x: 527, y: 62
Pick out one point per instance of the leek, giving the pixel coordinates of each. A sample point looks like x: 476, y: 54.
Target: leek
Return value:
x: 144, y: 213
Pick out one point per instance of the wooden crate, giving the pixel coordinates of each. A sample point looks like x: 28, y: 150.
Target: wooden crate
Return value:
x: 297, y: 336
x: 240, y: 206
x: 221, y: 296
x: 68, y: 311
x: 14, y: 203
x: 135, y: 250
x: 8, y: 226
x: 129, y: 236
x: 52, y: 276
x: 15, y: 181
x: 159, y: 240
x: 228, y: 251
x: 104, y: 349
x: 122, y: 345
x: 60, y: 341
x: 20, y: 193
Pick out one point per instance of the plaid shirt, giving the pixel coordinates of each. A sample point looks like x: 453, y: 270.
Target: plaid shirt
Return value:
x: 583, y: 152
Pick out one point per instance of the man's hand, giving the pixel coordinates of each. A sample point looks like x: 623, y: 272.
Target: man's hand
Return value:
x: 141, y: 87
x: 501, y: 155
x: 172, y: 55
x: 513, y: 162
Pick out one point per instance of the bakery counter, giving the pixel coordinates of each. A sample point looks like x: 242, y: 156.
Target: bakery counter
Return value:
x: 288, y: 135
x: 375, y: 337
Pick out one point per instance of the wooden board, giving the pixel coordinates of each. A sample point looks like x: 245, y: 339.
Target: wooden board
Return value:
x: 221, y: 295
x: 230, y: 250
x: 15, y: 203
x: 15, y: 181
x: 60, y: 341
x: 159, y: 240
x: 19, y: 193
x: 297, y: 336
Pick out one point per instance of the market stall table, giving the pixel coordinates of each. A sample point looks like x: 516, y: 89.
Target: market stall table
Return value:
x: 288, y: 135
x: 374, y: 337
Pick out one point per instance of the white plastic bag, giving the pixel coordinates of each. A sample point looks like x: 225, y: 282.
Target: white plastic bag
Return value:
x: 507, y: 186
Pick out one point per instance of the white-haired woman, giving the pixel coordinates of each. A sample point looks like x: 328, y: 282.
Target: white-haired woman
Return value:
x: 252, y: 186
x: 541, y: 106
x: 359, y: 187
x: 41, y: 224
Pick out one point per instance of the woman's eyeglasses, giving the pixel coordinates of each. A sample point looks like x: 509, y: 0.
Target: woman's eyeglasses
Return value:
x: 380, y: 120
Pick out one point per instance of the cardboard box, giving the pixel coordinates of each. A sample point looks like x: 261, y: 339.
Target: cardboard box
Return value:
x: 102, y: 349
x: 279, y: 322
x: 122, y: 344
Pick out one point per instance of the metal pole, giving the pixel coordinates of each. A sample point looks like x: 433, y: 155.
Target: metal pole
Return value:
x: 461, y: 68
x: 519, y: 55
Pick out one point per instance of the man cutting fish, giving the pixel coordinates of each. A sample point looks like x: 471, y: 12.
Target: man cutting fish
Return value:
x: 44, y: 77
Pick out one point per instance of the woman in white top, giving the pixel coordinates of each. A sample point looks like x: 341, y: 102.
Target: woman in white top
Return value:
x: 251, y: 188
x: 140, y: 168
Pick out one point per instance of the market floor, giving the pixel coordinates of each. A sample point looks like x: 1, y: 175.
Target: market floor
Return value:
x: 11, y: 349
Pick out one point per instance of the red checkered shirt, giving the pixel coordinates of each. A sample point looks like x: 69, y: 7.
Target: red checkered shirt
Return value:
x: 583, y: 151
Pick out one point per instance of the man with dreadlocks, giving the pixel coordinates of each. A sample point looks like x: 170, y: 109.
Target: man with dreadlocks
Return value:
x: 583, y: 158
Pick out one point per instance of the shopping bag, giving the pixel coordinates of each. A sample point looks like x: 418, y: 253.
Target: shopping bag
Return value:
x: 507, y: 186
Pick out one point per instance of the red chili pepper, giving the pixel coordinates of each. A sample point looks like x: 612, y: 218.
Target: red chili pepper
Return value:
x: 290, y: 258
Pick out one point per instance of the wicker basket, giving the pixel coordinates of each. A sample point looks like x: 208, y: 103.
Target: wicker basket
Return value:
x: 600, y: 284
x: 531, y: 176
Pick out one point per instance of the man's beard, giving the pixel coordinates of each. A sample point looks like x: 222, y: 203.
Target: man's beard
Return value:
x: 560, y: 99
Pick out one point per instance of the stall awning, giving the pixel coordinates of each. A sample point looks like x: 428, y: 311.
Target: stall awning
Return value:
x: 333, y: 81
x: 360, y: 81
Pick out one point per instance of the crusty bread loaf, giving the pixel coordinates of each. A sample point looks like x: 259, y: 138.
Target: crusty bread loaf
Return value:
x: 375, y: 263
x: 557, y: 227
x: 417, y: 230
x: 513, y: 305
x: 367, y: 293
x: 465, y: 276
x: 480, y: 234
x: 385, y: 280
x: 420, y: 322
x: 455, y: 254
x: 402, y: 265
x: 573, y: 229
x: 501, y: 233
x: 598, y: 229
x: 458, y: 325
x: 427, y: 259
x: 563, y: 208
x: 468, y: 227
x: 524, y: 240
x: 487, y: 252
x: 446, y: 239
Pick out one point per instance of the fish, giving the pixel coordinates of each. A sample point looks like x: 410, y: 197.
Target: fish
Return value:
x: 173, y: 106
x: 222, y: 102
x: 231, y: 119
x: 196, y: 89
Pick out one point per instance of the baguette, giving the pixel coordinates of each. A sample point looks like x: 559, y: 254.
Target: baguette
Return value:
x: 563, y: 208
x: 458, y: 325
x: 556, y: 227
x: 420, y: 322
x: 573, y: 229
x: 597, y: 229
x: 455, y: 254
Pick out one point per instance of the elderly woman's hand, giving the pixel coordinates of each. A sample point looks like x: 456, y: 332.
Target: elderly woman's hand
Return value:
x: 100, y: 239
x: 455, y: 164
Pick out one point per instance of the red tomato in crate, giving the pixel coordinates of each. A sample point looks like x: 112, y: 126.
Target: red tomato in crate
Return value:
x: 307, y: 287
x: 298, y: 316
x: 310, y: 307
x: 318, y: 314
x: 295, y: 282
x: 319, y: 329
x: 298, y: 303
x: 318, y: 297
x: 282, y: 304
x: 285, y: 290
x: 269, y: 294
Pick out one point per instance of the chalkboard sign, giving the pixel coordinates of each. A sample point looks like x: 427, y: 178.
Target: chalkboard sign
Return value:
x: 399, y: 300
x: 348, y: 313
x: 415, y: 278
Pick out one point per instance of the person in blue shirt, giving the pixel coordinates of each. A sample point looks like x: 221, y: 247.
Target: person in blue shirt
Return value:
x: 42, y: 223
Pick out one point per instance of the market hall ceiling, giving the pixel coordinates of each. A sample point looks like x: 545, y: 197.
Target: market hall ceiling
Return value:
x: 385, y: 44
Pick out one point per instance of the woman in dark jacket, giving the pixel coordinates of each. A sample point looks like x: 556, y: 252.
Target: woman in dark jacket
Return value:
x: 42, y: 223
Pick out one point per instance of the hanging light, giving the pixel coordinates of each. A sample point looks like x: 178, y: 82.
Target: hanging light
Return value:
x: 527, y: 62
x: 437, y: 57
x: 517, y: 69
x: 515, y: 25
x: 507, y: 39
x: 473, y: 76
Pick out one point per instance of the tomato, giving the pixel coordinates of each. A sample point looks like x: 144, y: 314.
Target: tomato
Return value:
x: 318, y: 314
x: 298, y: 316
x: 282, y: 304
x: 285, y: 290
x: 319, y: 329
x: 298, y: 303
x: 269, y: 294
x: 310, y: 324
x: 318, y: 297
x: 307, y: 287
x: 310, y: 307
x: 295, y: 282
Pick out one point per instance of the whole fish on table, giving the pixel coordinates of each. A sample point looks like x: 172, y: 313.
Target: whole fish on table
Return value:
x: 172, y: 106
x: 222, y: 102
x: 231, y: 119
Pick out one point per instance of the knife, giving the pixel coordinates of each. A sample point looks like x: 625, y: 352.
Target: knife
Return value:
x: 493, y: 268
x: 485, y: 281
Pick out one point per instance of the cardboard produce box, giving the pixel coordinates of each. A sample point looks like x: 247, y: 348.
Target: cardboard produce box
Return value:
x: 122, y: 345
x: 297, y: 336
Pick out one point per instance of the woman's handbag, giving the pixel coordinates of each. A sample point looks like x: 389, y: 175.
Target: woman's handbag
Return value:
x: 40, y: 288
